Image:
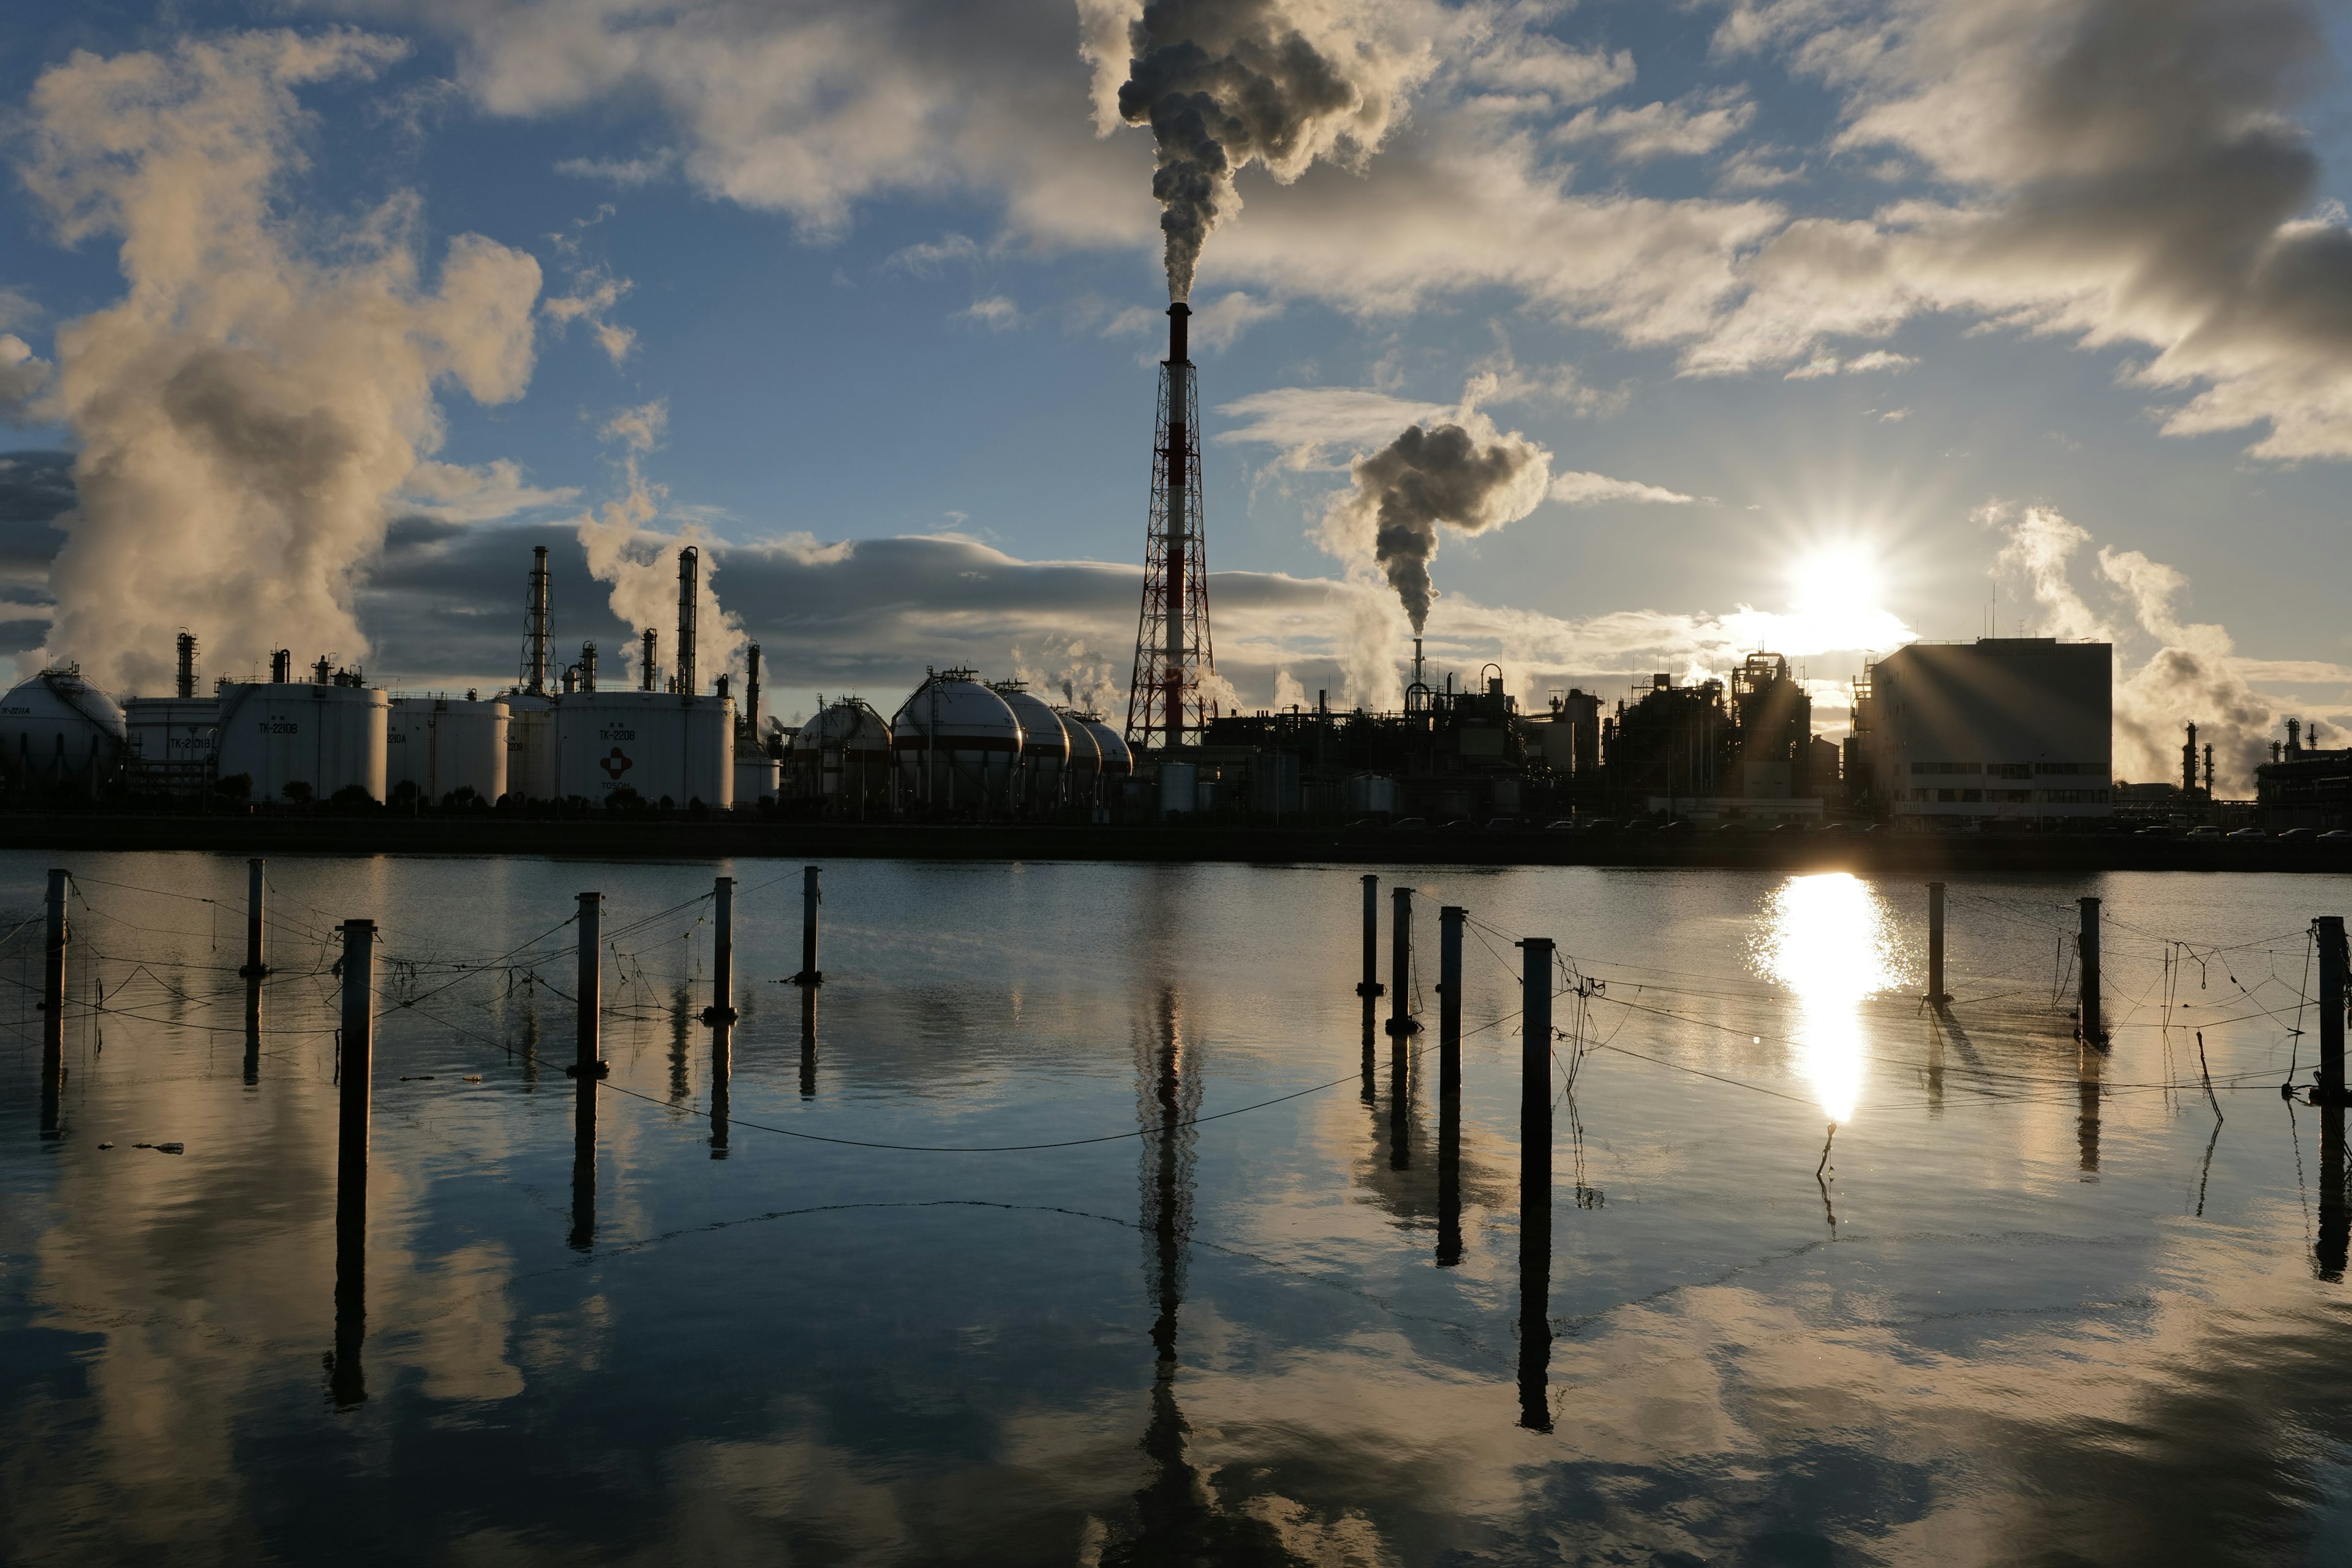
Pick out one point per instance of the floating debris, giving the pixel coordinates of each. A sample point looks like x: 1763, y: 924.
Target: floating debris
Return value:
x: 106, y: 1145
x: 418, y: 1076
x: 473, y: 1077
x: 160, y: 1148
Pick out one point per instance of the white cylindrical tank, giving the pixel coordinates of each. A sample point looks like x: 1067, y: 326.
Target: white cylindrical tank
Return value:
x: 57, y: 728
x: 957, y: 744
x: 173, y: 741
x: 443, y: 745
x: 328, y: 737
x: 660, y: 744
x: 1180, y: 786
x: 1044, y: 746
x: 1083, y: 775
x: 755, y: 778
x: 531, y: 746
x: 842, y: 757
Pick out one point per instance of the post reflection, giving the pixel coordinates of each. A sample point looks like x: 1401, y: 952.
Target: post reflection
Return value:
x: 1830, y: 941
x: 253, y: 1031
x: 346, y: 1383
x: 1401, y: 1103
x: 808, y: 1042
x: 2335, y: 1203
x: 1449, y: 1178
x: 2087, y: 1115
x: 583, y: 1238
x: 722, y: 1067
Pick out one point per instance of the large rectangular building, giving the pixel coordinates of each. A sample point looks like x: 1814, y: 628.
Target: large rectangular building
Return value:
x: 1999, y: 728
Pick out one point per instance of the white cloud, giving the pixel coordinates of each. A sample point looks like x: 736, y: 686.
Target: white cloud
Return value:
x: 23, y: 373
x: 1577, y: 488
x: 452, y: 492
x: 1684, y: 129
x: 1317, y: 428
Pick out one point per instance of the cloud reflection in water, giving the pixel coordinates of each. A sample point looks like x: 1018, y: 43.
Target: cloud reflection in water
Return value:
x: 1830, y: 940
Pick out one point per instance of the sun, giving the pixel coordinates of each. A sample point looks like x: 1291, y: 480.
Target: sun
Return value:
x: 1842, y: 582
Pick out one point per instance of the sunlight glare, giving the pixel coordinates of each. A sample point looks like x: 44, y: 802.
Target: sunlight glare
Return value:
x: 1829, y: 940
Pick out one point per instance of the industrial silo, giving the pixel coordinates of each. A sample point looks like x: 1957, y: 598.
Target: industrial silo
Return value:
x: 323, y: 737
x: 172, y: 742
x: 1082, y: 779
x: 1045, y: 748
x: 755, y: 777
x: 957, y: 745
x: 841, y: 757
x: 659, y: 744
x: 532, y: 745
x: 443, y: 745
x: 59, y: 729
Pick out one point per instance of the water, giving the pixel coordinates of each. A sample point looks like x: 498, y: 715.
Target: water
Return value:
x: 2034, y: 1305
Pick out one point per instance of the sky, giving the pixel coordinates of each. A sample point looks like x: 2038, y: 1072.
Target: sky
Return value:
x: 1815, y: 326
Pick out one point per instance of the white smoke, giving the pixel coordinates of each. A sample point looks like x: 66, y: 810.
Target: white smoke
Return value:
x: 641, y: 564
x: 2191, y: 672
x: 269, y: 378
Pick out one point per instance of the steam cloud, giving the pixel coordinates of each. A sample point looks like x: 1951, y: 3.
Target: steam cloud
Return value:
x: 266, y: 382
x: 641, y: 566
x: 1467, y: 476
x: 1224, y: 83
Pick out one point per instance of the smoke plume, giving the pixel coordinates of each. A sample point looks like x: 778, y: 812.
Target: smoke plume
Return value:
x: 268, y: 379
x: 1467, y: 476
x: 641, y: 564
x: 2194, y: 675
x: 1226, y: 83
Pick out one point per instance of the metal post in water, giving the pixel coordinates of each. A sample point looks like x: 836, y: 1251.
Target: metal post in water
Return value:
x: 253, y: 966
x: 1535, y: 1182
x: 1937, y: 995
x: 721, y: 1011
x: 1449, y: 1085
x: 2094, y: 1028
x: 357, y: 1065
x: 2334, y: 1240
x: 587, y: 1067
x: 2332, y: 964
x: 811, y: 897
x: 1370, y: 986
x: 808, y: 1042
x: 53, y: 1006
x: 1401, y: 1020
x: 252, y: 1032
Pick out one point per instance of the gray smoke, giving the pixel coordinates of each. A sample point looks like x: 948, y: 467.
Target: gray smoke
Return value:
x: 1224, y: 83
x: 1467, y: 475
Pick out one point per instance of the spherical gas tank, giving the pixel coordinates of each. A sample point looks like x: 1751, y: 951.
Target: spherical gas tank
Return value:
x: 57, y: 728
x: 1118, y: 762
x: 956, y: 744
x: 1044, y: 745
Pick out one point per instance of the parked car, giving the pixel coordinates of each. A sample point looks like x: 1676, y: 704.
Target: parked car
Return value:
x: 1408, y: 825
x: 2207, y: 832
x: 2249, y: 833
x: 1503, y: 824
x: 1564, y: 825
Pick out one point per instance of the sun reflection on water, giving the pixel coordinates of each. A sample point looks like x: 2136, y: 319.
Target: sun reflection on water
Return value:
x: 1829, y: 940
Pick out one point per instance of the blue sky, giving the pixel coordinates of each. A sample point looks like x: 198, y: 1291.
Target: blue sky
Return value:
x: 877, y: 271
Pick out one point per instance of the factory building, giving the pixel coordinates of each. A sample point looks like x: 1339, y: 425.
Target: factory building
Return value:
x: 2302, y: 786
x: 2000, y: 729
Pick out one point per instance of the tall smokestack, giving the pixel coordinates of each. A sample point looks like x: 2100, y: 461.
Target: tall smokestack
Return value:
x: 187, y: 665
x: 2189, y: 762
x: 646, y: 662
x: 689, y: 573
x: 1179, y: 505
x: 588, y: 666
x: 1172, y: 651
x: 534, y: 673
x: 751, y: 692
x: 281, y: 667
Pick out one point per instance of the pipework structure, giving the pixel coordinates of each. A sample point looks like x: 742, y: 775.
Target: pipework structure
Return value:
x: 535, y: 627
x: 1165, y: 701
x: 690, y: 584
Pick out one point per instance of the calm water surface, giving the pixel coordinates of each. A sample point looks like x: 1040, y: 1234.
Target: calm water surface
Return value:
x: 2029, y: 1304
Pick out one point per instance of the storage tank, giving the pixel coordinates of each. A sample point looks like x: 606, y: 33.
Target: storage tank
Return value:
x: 1179, y: 788
x: 842, y: 757
x: 755, y: 778
x: 1082, y: 777
x: 173, y: 743
x: 1118, y: 762
x: 1044, y: 747
x: 659, y: 744
x: 531, y: 746
x: 327, y: 737
x: 443, y: 745
x: 956, y: 744
x: 57, y: 728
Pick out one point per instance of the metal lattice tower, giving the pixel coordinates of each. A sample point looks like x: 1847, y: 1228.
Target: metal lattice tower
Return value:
x: 1165, y: 701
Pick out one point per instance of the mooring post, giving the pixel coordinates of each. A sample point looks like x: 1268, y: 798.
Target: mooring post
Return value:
x: 2334, y: 1240
x: 253, y: 1031
x: 2093, y: 1026
x: 1449, y: 1000
x: 587, y: 1067
x: 1371, y: 985
x: 1936, y: 997
x: 808, y: 1044
x: 53, y: 1007
x: 811, y: 897
x: 2332, y: 964
x: 356, y: 1069
x: 1401, y: 1021
x: 721, y: 1011
x: 1535, y: 1182
x: 255, y: 968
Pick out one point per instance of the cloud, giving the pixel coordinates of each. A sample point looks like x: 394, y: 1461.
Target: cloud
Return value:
x: 1579, y: 488
x: 1220, y: 325
x: 452, y: 492
x: 1687, y: 128
x: 1316, y: 425
x: 268, y: 380
x: 595, y: 291
x: 23, y: 374
x: 626, y: 172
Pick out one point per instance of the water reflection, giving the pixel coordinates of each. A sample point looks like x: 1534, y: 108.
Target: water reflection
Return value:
x: 1830, y: 940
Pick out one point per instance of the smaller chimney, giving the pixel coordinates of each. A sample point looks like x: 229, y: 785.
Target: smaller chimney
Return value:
x: 2189, y: 762
x: 323, y: 672
x: 2209, y: 767
x: 2295, y: 737
x: 751, y: 692
x: 571, y: 678
x: 187, y: 665
x: 588, y: 666
x: 1180, y: 348
x: 646, y: 662
x: 535, y: 625
x: 689, y: 575
x: 281, y: 667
